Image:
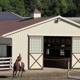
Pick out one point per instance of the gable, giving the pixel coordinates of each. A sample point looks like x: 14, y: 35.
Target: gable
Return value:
x: 57, y: 20
x: 51, y: 28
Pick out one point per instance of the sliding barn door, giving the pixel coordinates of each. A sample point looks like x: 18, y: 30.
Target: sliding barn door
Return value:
x: 35, y: 52
x: 76, y: 52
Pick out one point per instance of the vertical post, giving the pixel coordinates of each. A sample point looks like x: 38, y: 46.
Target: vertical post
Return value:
x: 10, y: 62
x: 68, y: 68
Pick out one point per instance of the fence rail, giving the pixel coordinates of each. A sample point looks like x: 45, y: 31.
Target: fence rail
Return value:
x: 5, y: 63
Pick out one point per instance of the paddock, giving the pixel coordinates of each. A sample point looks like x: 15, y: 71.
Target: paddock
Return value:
x: 45, y: 74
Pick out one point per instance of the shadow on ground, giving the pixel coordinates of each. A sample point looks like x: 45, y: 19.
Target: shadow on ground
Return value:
x: 3, y: 76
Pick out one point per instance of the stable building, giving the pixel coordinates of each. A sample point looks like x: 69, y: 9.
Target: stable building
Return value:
x: 43, y: 41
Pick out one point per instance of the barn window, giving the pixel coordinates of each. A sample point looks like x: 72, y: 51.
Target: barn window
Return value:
x: 47, y: 52
x: 36, y: 45
x: 62, y: 52
x: 76, y: 45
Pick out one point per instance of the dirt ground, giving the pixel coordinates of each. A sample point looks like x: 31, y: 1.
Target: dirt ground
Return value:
x: 46, y: 74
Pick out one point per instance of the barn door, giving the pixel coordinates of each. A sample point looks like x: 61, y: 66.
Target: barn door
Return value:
x: 35, y: 52
x: 76, y: 52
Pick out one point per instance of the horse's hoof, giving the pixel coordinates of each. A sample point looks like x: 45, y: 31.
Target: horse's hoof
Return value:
x: 14, y: 77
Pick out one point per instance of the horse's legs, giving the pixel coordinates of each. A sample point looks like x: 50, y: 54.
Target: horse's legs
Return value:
x: 18, y: 72
x: 21, y: 72
x: 14, y: 73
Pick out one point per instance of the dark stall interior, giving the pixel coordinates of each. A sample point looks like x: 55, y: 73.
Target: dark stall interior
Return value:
x: 57, y: 51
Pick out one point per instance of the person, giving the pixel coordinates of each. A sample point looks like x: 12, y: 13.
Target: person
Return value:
x: 19, y: 59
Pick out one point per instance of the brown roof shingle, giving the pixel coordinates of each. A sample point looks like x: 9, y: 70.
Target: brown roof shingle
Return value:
x: 12, y: 25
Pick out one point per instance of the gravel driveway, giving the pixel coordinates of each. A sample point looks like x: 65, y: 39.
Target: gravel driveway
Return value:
x: 46, y: 74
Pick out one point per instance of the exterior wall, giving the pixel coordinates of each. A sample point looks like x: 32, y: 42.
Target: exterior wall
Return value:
x: 20, y: 39
x: 20, y: 45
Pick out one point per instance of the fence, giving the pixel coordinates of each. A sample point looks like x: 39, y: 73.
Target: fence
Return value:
x: 5, y: 63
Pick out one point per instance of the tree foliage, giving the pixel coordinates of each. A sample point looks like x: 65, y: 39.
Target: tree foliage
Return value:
x: 47, y: 7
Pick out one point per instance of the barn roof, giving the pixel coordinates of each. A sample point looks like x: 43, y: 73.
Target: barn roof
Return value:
x: 9, y: 16
x: 11, y: 26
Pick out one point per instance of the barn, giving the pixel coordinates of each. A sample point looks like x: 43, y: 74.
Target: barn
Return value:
x: 43, y: 41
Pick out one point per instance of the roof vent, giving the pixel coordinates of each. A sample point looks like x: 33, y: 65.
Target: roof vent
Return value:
x: 35, y: 13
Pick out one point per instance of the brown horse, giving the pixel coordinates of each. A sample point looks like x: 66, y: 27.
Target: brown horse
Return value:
x: 18, y: 68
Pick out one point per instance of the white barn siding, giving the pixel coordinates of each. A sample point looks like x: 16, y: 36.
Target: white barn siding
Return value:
x: 20, y: 39
x: 20, y: 45
x: 55, y: 29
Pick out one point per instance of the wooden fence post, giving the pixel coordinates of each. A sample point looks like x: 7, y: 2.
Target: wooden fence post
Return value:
x: 68, y: 68
x: 10, y: 63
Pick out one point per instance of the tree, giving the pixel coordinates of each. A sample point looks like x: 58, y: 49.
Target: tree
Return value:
x: 18, y: 7
x: 71, y: 8
x: 4, y: 4
x: 32, y: 4
x: 77, y: 7
x: 60, y: 7
x: 46, y: 7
